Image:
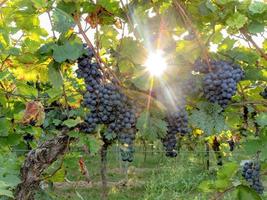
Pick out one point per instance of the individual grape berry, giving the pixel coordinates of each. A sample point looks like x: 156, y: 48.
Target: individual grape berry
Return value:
x: 251, y: 172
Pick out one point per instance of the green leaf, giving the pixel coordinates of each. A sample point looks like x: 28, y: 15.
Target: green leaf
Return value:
x: 47, y: 48
x: 221, y: 184
x: 5, y: 192
x: 246, y: 193
x: 256, y: 27
x: 257, y: 7
x: 255, y: 74
x: 62, y: 21
x: 26, y: 90
x: 125, y: 66
x: 206, y: 186
x: 72, y: 122
x: 71, y: 50
x: 150, y: 127
x: 54, y: 74
x: 227, y: 171
x: 110, y: 5
x: 3, y: 184
x: 237, y: 20
x: 132, y: 50
x: 255, y: 145
x: 4, y: 74
x: 261, y: 119
x: 11, y: 180
x: 39, y: 3
x: 26, y: 21
x: 58, y: 176
x: 244, y: 54
x: 57, y: 122
x: 108, y: 38
x: 208, y: 118
x: 93, y: 144
x: 54, y: 93
x: 210, y: 6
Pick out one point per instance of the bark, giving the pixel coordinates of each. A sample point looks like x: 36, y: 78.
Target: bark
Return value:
x: 103, y: 154
x: 36, y: 162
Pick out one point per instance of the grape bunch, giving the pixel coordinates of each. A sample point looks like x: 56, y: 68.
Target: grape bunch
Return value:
x: 107, y: 104
x: 191, y: 85
x: 231, y: 144
x: 264, y: 93
x: 220, y: 82
x: 177, y: 123
x: 251, y: 172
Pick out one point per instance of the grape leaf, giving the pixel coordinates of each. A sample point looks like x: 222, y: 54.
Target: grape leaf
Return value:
x: 227, y: 171
x: 26, y: 90
x: 39, y: 3
x: 54, y: 74
x: 150, y: 127
x: 71, y: 50
x: 5, y: 192
x: 237, y: 20
x: 72, y: 122
x: 61, y: 20
x: 246, y: 193
x: 261, y: 119
x: 255, y: 27
x: 257, y: 7
x: 132, y: 50
x: 209, y: 118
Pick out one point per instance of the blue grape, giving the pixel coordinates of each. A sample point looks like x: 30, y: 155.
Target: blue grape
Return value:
x: 251, y: 172
x: 107, y: 104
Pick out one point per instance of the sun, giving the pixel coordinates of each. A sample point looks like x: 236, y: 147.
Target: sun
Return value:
x: 156, y: 63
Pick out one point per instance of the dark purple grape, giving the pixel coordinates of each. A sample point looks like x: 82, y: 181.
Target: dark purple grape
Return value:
x: 251, y: 172
x: 107, y: 104
x: 177, y: 121
x: 220, y: 81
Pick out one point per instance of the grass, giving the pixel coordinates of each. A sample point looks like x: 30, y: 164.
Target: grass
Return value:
x: 158, y: 178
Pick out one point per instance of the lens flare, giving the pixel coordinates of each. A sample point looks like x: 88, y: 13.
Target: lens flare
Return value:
x: 156, y: 63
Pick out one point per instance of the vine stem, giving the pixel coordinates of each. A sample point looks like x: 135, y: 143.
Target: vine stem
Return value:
x: 220, y: 195
x: 52, y: 28
x: 89, y: 43
x: 103, y: 153
x: 136, y: 33
x: 249, y: 38
x: 188, y: 21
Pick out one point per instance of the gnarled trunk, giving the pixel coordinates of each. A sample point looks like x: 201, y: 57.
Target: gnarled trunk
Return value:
x: 36, y: 162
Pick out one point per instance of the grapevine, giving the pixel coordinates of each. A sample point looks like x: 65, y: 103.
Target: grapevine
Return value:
x: 107, y: 105
x: 219, y: 84
x: 251, y: 172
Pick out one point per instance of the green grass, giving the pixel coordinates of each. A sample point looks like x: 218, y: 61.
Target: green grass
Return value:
x: 158, y: 178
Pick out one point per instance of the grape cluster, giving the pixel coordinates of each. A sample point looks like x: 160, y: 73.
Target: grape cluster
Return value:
x: 177, y: 123
x: 264, y: 93
x: 220, y: 82
x: 251, y: 172
x: 231, y: 144
x: 190, y: 85
x: 107, y: 104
